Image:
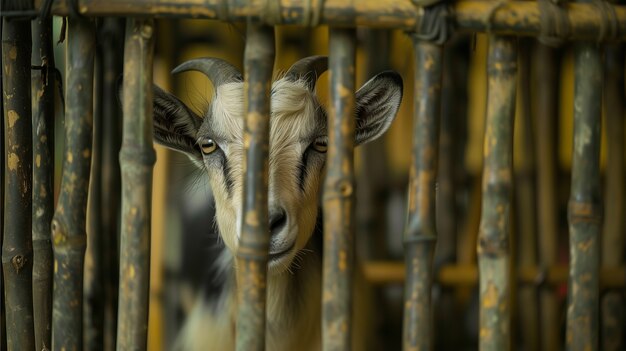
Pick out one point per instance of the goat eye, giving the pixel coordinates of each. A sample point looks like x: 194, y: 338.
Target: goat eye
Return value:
x: 320, y: 146
x: 208, y: 146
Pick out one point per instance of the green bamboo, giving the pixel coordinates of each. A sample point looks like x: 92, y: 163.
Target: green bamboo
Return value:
x: 254, y: 241
x: 585, y: 21
x: 338, y: 199
x: 613, y: 319
x: 111, y: 34
x: 68, y: 224
x: 17, y: 250
x: 584, y: 209
x: 420, y: 236
x: 545, y: 103
x: 137, y: 159
x: 43, y: 83
x: 493, y: 239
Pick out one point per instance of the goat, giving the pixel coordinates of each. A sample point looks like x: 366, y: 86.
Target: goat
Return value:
x: 298, y: 143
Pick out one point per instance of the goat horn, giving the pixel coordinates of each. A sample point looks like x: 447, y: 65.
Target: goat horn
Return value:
x: 309, y: 69
x: 217, y: 70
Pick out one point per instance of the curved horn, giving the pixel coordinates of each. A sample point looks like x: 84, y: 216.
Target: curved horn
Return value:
x: 309, y: 69
x: 217, y: 70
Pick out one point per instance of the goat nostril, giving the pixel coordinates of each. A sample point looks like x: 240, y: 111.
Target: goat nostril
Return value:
x: 277, y: 222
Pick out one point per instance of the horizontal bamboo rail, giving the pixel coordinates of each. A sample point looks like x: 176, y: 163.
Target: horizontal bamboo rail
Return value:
x: 390, y: 272
x: 515, y: 17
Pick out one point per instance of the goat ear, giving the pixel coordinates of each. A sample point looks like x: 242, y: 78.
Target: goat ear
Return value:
x: 175, y: 125
x: 377, y: 104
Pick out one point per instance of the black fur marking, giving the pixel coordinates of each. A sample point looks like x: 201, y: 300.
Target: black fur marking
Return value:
x: 303, y: 169
x: 227, y: 177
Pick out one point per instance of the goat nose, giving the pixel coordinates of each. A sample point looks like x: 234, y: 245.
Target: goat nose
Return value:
x: 278, y: 220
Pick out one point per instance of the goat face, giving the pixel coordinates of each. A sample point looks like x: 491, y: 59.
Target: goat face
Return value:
x: 298, y: 137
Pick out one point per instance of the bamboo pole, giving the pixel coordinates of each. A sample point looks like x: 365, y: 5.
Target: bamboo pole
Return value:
x: 420, y: 234
x: 584, y: 209
x: 254, y: 241
x: 339, y: 214
x: 93, y: 287
x: 525, y: 196
x: 17, y: 251
x: 137, y: 159
x: 42, y: 88
x: 545, y: 103
x: 68, y: 224
x: 453, y: 114
x: 613, y: 319
x: 516, y: 17
x: 112, y: 33
x: 3, y: 334
x: 493, y: 241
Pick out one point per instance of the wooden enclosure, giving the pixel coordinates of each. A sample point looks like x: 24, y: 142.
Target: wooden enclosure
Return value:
x: 54, y: 298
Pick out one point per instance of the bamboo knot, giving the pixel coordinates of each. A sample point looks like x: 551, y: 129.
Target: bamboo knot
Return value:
x: 19, y: 261
x: 584, y: 212
x: 342, y: 188
x: 493, y: 248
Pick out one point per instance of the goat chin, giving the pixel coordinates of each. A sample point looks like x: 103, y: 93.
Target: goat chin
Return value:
x: 210, y: 328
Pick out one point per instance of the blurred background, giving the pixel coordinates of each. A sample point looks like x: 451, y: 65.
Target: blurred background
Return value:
x: 183, y: 207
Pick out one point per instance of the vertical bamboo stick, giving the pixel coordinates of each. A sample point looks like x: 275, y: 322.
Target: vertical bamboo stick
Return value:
x: 338, y: 199
x: 3, y: 334
x: 613, y: 237
x: 93, y: 292
x: 525, y: 196
x: 421, y: 234
x: 43, y: 85
x: 17, y: 250
x: 112, y: 33
x: 254, y: 241
x: 373, y: 175
x: 68, y: 224
x: 584, y: 209
x: 545, y: 96
x: 137, y: 158
x: 493, y: 241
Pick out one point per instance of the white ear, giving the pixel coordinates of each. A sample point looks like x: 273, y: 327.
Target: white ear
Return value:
x: 377, y: 104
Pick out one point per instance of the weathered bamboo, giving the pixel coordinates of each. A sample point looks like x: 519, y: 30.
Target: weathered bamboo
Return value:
x: 17, y: 250
x: 394, y: 272
x: 493, y: 241
x: 339, y: 192
x: 137, y: 159
x: 111, y: 34
x: 420, y: 234
x: 93, y: 289
x: 585, y: 209
x: 545, y: 103
x: 254, y: 241
x: 42, y: 88
x: 3, y: 334
x: 525, y: 196
x: 613, y: 318
x: 516, y: 17
x: 68, y: 224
